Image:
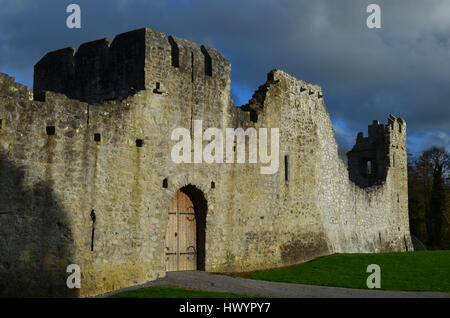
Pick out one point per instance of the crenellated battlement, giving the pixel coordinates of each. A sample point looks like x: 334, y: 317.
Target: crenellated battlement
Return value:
x: 396, y: 126
x: 133, y: 61
x: 8, y: 86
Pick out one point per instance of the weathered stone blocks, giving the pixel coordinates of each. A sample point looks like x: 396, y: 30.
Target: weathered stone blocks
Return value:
x: 50, y: 183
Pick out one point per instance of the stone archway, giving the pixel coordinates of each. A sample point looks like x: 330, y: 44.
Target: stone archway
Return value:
x: 186, y: 230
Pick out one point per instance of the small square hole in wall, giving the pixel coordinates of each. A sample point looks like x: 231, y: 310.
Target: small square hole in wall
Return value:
x: 165, y: 183
x: 157, y: 89
x: 213, y: 185
x: 50, y: 130
x: 139, y: 143
x: 97, y: 137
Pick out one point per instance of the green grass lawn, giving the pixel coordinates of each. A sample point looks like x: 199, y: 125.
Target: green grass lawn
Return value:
x: 174, y: 292
x: 414, y: 271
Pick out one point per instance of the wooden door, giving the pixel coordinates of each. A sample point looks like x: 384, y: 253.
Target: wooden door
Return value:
x: 171, y: 238
x: 181, y: 235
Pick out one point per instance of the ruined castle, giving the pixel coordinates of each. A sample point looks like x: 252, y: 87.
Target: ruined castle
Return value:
x: 86, y: 175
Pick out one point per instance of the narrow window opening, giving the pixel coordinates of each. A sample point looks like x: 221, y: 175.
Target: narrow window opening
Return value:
x: 208, y: 61
x: 139, y: 143
x: 1, y: 123
x: 97, y: 137
x: 369, y: 168
x: 165, y: 183
x: 50, y: 130
x: 213, y: 185
x: 286, y: 168
x: 175, y: 52
x: 393, y: 161
x: 93, y: 218
x: 253, y: 116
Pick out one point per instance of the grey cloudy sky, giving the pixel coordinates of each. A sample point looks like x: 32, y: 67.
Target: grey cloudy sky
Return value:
x: 402, y: 68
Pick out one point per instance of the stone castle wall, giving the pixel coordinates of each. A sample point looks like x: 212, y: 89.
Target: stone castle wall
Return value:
x: 95, y: 135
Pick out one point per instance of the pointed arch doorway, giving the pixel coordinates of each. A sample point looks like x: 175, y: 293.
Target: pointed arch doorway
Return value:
x: 185, y: 233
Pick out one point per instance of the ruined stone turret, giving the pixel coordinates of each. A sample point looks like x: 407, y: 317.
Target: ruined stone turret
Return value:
x: 372, y: 156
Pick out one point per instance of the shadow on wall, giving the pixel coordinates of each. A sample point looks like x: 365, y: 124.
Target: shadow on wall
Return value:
x: 36, y: 243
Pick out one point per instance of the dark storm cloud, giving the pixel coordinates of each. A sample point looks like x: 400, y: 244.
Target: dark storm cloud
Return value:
x: 402, y: 68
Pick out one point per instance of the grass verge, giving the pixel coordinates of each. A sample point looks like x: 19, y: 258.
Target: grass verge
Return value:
x: 410, y: 271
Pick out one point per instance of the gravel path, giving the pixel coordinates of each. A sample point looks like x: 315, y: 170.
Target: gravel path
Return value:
x: 221, y: 283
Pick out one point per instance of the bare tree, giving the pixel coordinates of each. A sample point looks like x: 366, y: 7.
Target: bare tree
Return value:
x: 430, y: 173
